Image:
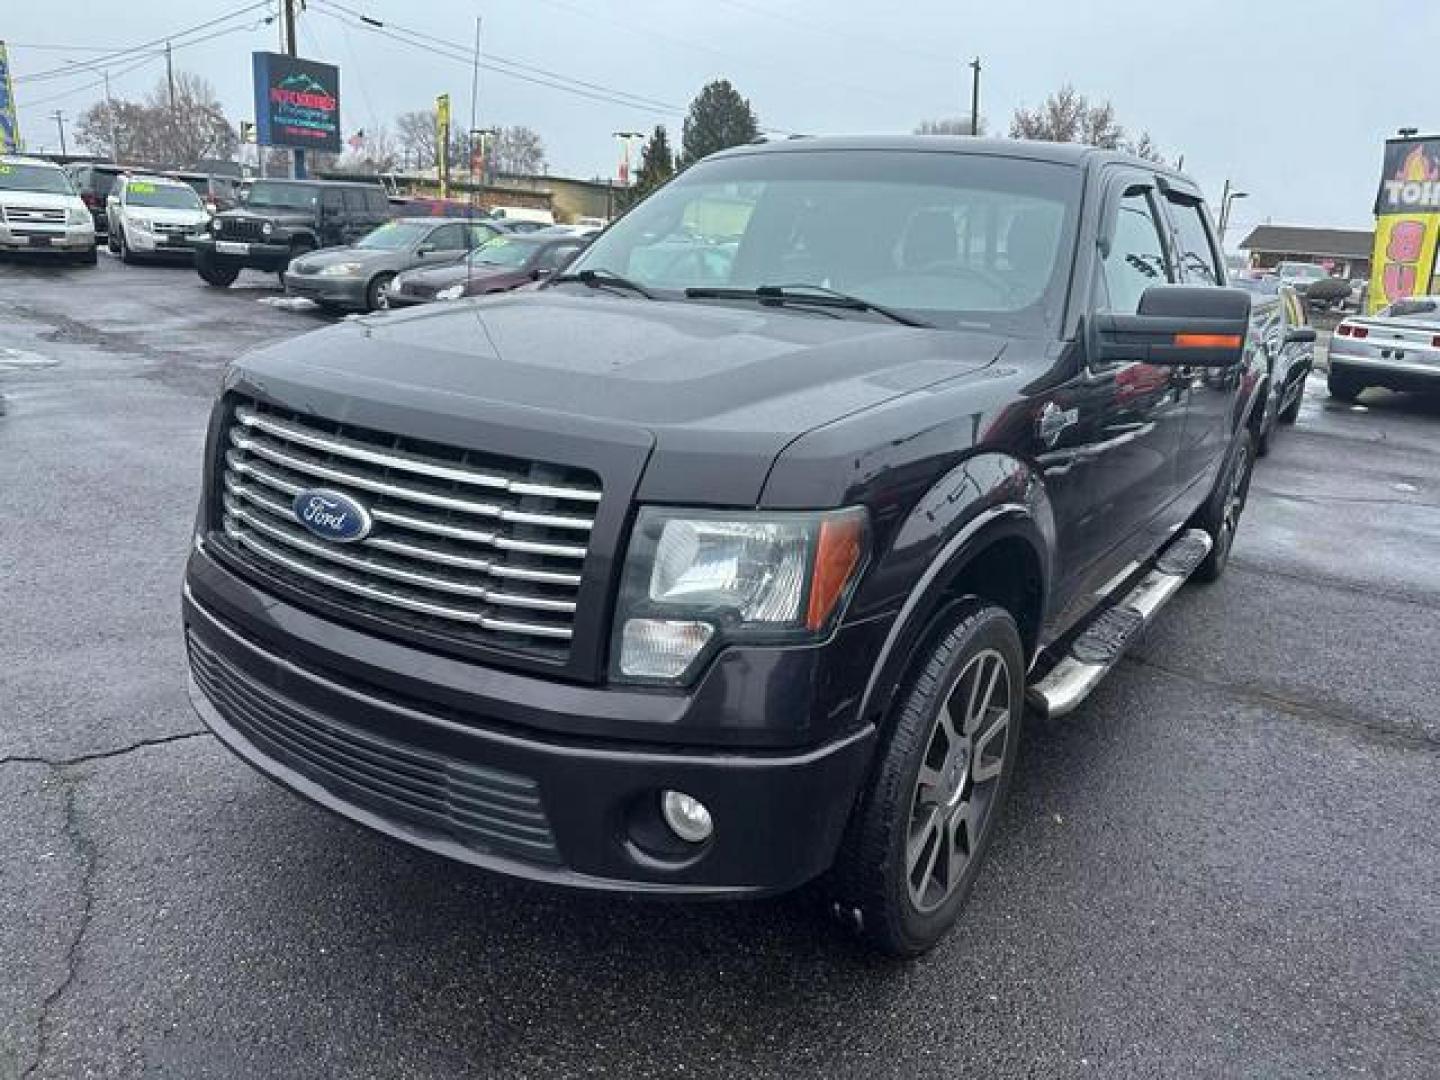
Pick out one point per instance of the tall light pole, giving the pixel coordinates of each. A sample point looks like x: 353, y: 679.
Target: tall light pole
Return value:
x: 975, y: 98
x: 1226, y: 201
x: 625, y: 137
x: 60, y: 123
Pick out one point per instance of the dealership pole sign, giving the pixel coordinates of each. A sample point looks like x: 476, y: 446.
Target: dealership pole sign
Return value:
x: 9, y: 124
x: 1407, y: 221
x: 297, y: 103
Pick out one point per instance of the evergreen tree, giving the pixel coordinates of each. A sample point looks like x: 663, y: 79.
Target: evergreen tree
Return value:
x: 719, y: 118
x: 657, y: 163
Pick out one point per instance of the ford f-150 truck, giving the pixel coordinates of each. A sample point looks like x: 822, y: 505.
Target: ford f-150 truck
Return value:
x: 733, y: 557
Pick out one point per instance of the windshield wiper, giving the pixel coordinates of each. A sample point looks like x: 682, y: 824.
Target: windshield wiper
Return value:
x: 818, y: 295
x: 603, y: 279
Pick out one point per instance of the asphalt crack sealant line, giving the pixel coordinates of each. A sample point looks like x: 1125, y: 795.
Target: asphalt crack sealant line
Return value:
x: 64, y: 772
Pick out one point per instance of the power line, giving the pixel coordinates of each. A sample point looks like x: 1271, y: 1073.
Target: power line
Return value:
x: 98, y: 62
x: 615, y: 97
x: 152, y: 58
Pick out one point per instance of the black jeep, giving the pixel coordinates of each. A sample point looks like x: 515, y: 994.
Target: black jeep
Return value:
x: 734, y: 556
x: 282, y: 219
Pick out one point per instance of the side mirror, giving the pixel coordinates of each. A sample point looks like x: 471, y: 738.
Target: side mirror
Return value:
x: 1300, y: 335
x: 421, y: 252
x: 1177, y: 326
x: 536, y: 275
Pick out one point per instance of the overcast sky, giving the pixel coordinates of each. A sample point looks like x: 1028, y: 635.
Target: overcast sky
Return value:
x: 1291, y: 99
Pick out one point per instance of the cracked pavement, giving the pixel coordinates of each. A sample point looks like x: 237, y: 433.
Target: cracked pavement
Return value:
x: 1227, y: 863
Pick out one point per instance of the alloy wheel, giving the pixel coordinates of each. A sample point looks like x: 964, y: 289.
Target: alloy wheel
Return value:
x: 958, y: 779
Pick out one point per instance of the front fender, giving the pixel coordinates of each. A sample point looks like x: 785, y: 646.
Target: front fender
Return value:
x: 985, y: 499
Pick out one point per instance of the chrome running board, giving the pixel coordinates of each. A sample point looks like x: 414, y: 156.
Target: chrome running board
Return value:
x: 1105, y: 640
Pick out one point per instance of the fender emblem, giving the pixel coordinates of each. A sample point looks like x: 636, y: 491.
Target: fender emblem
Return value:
x: 1054, y: 420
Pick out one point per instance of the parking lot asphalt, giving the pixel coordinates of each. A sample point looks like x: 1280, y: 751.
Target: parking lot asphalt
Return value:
x: 1226, y: 863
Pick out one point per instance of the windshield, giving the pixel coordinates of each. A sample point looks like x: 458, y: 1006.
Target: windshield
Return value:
x: 502, y: 251
x: 394, y: 236
x: 281, y: 196
x: 1304, y: 270
x: 162, y: 196
x: 951, y: 239
x: 41, y: 178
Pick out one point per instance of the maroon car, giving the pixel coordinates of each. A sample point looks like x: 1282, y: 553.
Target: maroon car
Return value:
x: 501, y: 264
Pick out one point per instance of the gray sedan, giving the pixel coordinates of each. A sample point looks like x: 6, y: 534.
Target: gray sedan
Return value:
x: 357, y: 276
x: 1398, y: 347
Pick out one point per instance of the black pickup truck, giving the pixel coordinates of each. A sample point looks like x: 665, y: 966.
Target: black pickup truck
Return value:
x: 733, y: 557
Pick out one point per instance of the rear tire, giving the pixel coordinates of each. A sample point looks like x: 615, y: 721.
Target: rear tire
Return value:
x: 919, y: 834
x: 217, y: 274
x: 1220, y: 516
x: 1343, y: 387
x: 91, y: 257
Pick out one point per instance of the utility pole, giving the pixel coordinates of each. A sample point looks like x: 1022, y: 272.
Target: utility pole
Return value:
x: 60, y: 123
x: 110, y: 111
x: 297, y: 166
x: 625, y: 137
x: 474, y: 111
x: 975, y: 98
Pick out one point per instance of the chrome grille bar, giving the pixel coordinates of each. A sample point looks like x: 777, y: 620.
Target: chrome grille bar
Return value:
x: 394, y: 459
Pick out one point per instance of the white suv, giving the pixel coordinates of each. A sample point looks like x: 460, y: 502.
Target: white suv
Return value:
x: 39, y: 210
x: 153, y: 215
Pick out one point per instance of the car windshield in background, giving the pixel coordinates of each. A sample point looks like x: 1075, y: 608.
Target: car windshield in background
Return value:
x: 282, y: 196
x: 1264, y: 286
x: 394, y: 236
x: 949, y: 239
x: 161, y: 196
x: 1308, y: 273
x: 502, y: 251
x: 1417, y: 310
x: 34, y: 178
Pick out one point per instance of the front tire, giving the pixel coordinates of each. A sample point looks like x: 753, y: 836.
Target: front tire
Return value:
x: 126, y: 255
x: 215, y: 273
x: 377, y: 296
x: 1220, y: 516
x: 919, y: 835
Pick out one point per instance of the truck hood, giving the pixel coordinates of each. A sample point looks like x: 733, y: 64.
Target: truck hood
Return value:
x: 41, y: 200
x: 711, y: 392
x: 277, y: 216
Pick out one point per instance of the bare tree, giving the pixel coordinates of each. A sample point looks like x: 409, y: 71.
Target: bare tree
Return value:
x: 415, y: 132
x: 1069, y: 116
x: 517, y: 150
x: 954, y: 125
x: 157, y: 131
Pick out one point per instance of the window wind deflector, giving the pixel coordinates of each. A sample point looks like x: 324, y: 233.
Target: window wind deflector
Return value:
x: 817, y: 295
x: 603, y: 279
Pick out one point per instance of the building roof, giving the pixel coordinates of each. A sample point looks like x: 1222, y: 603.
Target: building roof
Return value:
x: 1301, y: 240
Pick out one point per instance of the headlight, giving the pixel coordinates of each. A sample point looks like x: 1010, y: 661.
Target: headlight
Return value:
x: 695, y: 580
x: 266, y: 228
x: 80, y: 216
x: 216, y: 225
x: 345, y: 269
x: 140, y: 223
x: 454, y: 292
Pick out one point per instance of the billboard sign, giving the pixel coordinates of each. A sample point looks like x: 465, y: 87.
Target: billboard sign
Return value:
x: 1407, y: 221
x: 9, y: 123
x: 297, y: 103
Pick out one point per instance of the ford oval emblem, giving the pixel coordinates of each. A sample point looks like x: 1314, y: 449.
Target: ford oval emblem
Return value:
x: 332, y: 515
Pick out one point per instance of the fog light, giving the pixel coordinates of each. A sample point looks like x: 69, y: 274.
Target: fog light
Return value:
x: 687, y: 816
x: 661, y: 648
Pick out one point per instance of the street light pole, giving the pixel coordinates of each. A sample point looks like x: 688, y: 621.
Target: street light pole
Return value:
x: 975, y: 99
x: 625, y: 137
x: 1227, y: 201
x: 60, y: 123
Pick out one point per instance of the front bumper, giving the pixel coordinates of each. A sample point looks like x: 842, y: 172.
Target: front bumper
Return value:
x: 260, y: 256
x: 143, y: 242
x: 469, y: 783
x: 70, y: 240
x: 1396, y: 366
x: 342, y: 291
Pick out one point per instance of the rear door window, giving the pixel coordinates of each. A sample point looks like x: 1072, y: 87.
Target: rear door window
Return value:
x: 354, y: 201
x: 1137, y: 258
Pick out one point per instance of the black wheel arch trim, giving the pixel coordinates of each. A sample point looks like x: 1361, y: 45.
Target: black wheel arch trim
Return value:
x: 1023, y: 514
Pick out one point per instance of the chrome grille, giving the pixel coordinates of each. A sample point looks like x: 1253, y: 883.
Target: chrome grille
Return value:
x: 33, y: 215
x: 464, y: 543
